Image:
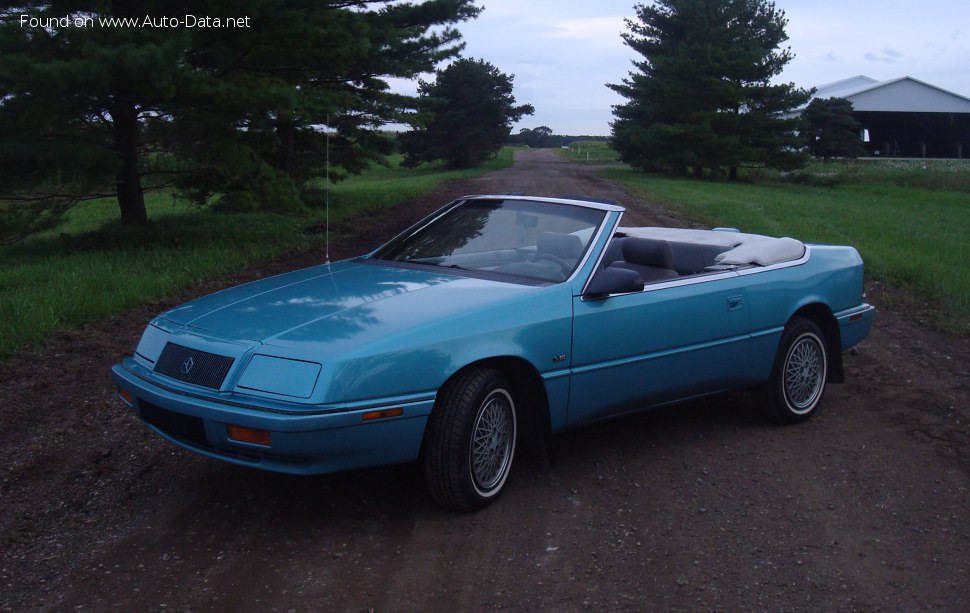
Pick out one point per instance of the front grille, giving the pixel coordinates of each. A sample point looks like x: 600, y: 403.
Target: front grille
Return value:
x: 193, y: 366
x: 174, y: 424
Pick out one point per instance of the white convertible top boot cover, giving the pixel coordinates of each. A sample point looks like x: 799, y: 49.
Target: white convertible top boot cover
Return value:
x: 741, y: 249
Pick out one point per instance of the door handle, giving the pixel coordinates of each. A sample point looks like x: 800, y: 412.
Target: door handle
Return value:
x: 734, y: 303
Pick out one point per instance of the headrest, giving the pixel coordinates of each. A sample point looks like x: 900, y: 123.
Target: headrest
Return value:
x: 647, y: 252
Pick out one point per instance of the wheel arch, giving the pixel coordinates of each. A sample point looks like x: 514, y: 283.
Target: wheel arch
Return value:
x: 530, y: 394
x: 822, y: 316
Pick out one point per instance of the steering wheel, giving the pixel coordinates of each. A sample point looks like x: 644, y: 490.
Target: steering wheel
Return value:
x: 565, y: 266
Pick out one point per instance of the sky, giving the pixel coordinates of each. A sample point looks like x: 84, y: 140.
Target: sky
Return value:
x: 563, y: 52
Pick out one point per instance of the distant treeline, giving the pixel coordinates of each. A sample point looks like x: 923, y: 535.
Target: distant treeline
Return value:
x: 543, y: 137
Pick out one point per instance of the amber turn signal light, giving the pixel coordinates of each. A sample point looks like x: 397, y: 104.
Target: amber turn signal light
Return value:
x: 248, y: 435
x: 383, y: 414
x: 126, y: 396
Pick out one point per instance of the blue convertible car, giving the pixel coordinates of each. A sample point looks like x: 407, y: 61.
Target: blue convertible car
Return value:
x: 490, y: 325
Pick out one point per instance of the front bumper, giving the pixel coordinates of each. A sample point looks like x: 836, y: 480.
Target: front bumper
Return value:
x: 309, y: 442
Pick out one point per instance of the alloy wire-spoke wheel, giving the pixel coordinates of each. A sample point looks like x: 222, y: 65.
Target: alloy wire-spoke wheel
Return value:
x: 798, y: 378
x: 804, y: 372
x: 492, y: 448
x: 470, y: 441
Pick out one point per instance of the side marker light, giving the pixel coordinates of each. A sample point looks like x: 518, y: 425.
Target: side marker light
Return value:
x: 383, y: 414
x: 248, y: 435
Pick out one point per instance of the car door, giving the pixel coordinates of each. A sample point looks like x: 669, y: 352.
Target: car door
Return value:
x: 674, y: 340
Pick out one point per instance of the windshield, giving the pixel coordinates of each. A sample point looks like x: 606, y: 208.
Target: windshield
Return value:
x: 540, y: 241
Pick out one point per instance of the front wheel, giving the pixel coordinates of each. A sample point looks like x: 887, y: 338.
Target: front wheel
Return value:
x: 799, y: 375
x: 470, y: 442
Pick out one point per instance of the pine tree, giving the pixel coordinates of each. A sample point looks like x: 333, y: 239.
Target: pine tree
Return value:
x: 702, y: 96
x: 469, y: 110
x: 830, y: 128
x: 93, y: 110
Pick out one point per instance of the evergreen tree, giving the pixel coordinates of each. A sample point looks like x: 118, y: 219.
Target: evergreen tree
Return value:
x: 830, y: 128
x: 701, y: 97
x: 468, y: 112
x: 88, y: 110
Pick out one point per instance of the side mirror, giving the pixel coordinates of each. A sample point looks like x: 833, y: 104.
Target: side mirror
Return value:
x: 614, y: 281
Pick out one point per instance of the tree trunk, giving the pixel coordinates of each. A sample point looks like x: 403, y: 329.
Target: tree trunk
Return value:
x: 733, y: 173
x: 131, y: 199
x: 125, y: 120
x: 283, y: 160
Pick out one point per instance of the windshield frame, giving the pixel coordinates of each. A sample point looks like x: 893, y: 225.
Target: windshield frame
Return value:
x: 377, y: 256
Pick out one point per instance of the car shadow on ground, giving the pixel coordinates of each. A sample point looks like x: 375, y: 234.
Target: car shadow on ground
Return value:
x: 373, y: 493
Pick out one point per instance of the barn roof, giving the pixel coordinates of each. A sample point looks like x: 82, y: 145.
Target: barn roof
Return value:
x: 901, y: 95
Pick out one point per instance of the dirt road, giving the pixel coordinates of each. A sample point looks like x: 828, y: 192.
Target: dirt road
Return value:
x: 700, y: 506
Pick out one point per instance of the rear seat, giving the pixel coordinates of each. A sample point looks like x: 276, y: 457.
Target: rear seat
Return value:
x: 648, y: 257
x: 692, y: 258
x: 657, y: 259
x: 614, y: 251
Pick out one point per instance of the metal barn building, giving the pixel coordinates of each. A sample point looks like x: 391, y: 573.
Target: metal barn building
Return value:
x: 906, y: 117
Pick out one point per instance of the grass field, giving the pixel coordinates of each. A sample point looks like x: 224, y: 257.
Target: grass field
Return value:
x: 386, y: 186
x: 947, y: 175
x: 91, y: 267
x: 913, y: 237
x: 592, y: 151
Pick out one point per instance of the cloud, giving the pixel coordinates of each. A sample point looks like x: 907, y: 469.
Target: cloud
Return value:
x: 599, y: 31
x: 887, y: 55
x: 563, y: 52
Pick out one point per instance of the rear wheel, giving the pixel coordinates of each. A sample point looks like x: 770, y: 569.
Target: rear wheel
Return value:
x: 470, y: 442
x: 799, y: 374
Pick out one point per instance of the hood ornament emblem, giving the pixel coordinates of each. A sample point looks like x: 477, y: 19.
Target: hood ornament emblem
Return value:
x: 187, y: 366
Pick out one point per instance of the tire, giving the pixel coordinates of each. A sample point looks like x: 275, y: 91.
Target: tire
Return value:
x: 470, y: 441
x: 799, y: 374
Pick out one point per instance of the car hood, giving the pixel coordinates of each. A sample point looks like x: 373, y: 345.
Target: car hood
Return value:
x: 349, y: 300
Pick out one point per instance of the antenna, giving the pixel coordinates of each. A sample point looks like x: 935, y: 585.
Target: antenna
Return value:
x: 327, y: 248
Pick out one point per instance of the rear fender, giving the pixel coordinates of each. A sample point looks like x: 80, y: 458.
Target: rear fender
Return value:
x: 822, y: 315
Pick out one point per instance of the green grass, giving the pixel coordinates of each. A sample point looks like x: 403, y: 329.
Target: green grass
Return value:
x: 914, y: 238
x: 91, y: 267
x: 592, y: 151
x: 949, y: 175
x: 61, y: 282
x: 385, y: 186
